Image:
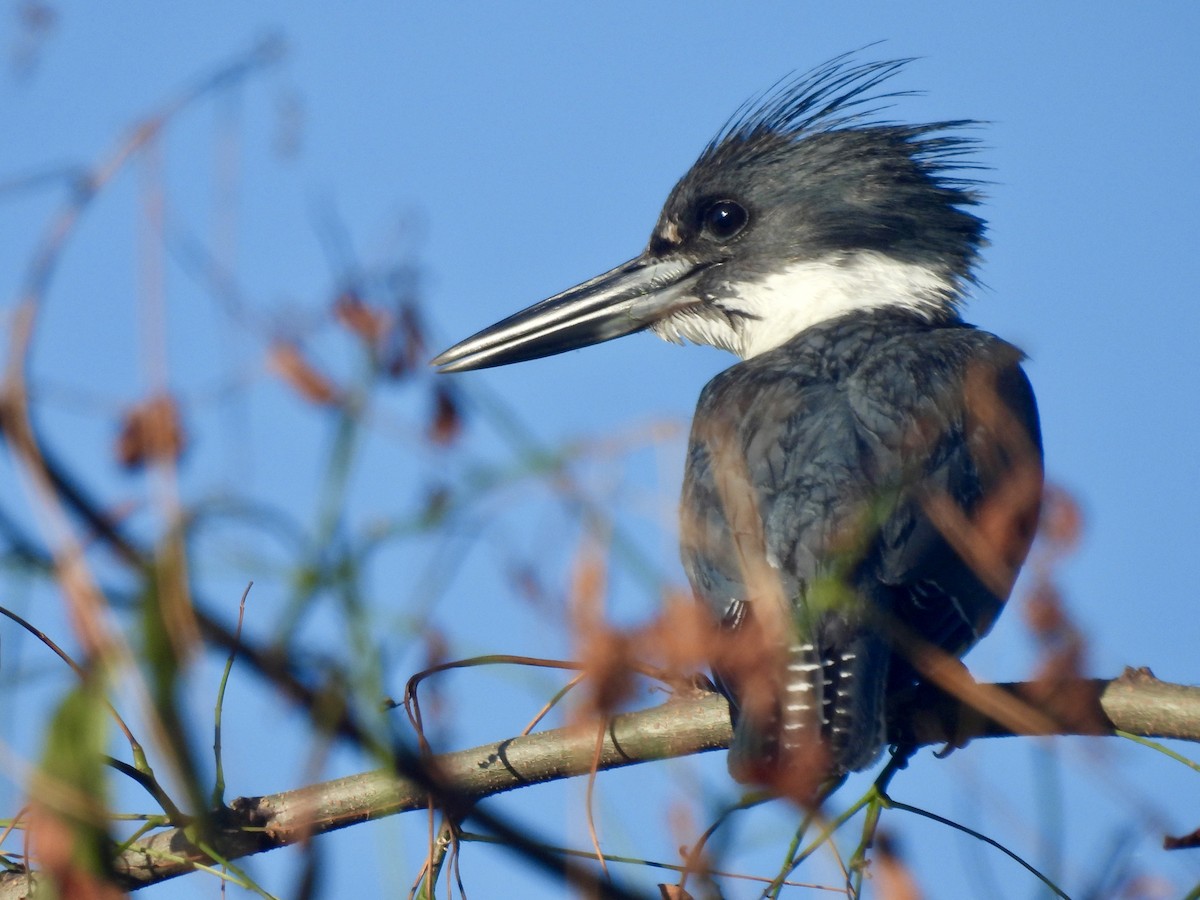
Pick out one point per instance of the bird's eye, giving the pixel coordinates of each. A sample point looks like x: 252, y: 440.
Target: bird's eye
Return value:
x: 724, y: 219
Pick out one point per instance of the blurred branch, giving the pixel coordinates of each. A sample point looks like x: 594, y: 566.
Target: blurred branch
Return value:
x: 1136, y: 702
x: 89, y: 182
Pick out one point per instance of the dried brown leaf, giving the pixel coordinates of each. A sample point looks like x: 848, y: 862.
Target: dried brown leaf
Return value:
x: 800, y: 775
x: 1062, y: 521
x: 996, y: 538
x: 1044, y: 613
x: 1186, y: 842
x: 287, y: 361
x: 683, y: 637
x: 436, y: 651
x: 892, y: 878
x: 1058, y: 685
x: 151, y: 432
x: 607, y: 657
x: 445, y: 425
x: 673, y: 892
x: 607, y: 654
x: 54, y: 841
x: 355, y: 315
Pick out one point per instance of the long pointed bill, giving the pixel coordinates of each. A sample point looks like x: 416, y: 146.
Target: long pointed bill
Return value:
x: 629, y: 298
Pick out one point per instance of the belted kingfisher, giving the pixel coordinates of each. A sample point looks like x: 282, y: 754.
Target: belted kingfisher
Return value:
x: 862, y: 487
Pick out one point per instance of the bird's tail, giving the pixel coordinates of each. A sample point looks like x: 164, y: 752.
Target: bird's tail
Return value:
x: 855, y: 675
x: 829, y: 711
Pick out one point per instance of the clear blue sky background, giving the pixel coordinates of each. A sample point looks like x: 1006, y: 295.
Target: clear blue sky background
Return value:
x: 514, y: 149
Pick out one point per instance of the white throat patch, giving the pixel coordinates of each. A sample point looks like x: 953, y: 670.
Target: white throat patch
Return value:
x: 772, y: 311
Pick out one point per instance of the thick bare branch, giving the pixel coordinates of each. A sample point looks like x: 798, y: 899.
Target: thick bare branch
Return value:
x: 1137, y: 703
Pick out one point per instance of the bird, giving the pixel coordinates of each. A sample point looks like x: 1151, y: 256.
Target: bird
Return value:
x: 863, y: 485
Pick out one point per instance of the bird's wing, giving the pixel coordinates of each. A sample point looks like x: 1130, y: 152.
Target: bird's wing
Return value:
x: 962, y: 466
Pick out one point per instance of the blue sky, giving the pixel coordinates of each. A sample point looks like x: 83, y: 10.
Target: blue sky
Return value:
x: 513, y: 150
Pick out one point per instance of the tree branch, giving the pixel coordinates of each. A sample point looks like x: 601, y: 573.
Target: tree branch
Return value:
x: 1137, y: 703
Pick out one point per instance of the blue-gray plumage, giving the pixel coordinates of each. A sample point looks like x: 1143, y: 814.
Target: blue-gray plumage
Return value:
x: 862, y: 488
x: 840, y: 437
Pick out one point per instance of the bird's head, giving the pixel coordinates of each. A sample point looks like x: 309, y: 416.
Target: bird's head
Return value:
x: 802, y: 209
